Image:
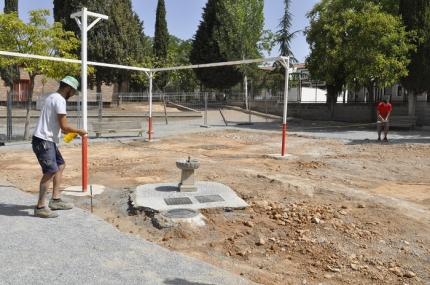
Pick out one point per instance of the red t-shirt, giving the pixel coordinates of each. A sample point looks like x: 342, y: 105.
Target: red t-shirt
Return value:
x: 384, y: 110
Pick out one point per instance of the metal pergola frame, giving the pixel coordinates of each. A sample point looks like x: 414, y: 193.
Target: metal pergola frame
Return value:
x: 149, y: 72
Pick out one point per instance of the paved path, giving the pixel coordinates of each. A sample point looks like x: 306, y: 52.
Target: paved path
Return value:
x: 80, y: 248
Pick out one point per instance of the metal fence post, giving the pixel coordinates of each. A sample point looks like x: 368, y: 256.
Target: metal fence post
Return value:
x: 9, y: 116
x: 100, y: 100
x: 249, y: 107
x: 205, y: 118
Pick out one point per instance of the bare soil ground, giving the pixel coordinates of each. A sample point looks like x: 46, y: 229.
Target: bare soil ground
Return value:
x: 331, y: 214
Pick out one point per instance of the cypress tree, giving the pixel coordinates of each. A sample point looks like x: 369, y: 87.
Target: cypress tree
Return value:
x: 10, y: 6
x: 161, y: 43
x: 205, y: 49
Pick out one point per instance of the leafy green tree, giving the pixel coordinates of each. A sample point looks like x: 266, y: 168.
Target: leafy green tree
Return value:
x: 40, y: 38
x: 10, y: 6
x: 118, y: 40
x: 358, y: 43
x: 131, y: 39
x: 240, y: 32
x: 161, y: 44
x: 179, y: 51
x: 9, y: 74
x: 205, y: 49
x: 416, y: 17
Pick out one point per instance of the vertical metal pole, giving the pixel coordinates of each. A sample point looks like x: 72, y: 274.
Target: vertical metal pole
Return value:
x: 284, y: 125
x: 84, y: 29
x: 100, y: 100
x: 151, y: 74
x: 206, y: 110
x: 79, y: 113
x: 249, y: 108
x: 9, y: 116
x: 84, y: 99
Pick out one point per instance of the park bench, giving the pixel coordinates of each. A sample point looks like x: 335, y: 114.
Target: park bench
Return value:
x: 403, y: 121
x: 117, y: 127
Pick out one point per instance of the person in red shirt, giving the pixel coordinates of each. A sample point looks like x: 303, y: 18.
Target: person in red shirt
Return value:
x: 383, y: 112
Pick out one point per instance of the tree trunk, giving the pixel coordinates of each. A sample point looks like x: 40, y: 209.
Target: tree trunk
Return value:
x: 118, y: 94
x: 245, y: 85
x: 331, y: 96
x: 29, y: 103
x: 412, y: 102
x: 370, y: 102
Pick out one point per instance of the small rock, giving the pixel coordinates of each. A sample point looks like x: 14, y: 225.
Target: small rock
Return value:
x: 315, y: 220
x: 344, y: 213
x: 396, y: 271
x: 327, y: 276
x: 409, y: 274
x: 354, y: 267
x: 261, y: 241
x: 321, y: 239
x: 249, y: 224
x: 361, y: 206
x: 272, y: 239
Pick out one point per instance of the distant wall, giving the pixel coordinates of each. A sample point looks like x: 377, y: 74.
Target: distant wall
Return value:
x: 353, y: 112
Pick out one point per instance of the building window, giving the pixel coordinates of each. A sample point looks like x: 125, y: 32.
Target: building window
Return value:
x: 399, y: 91
x: 387, y: 90
x: 21, y: 90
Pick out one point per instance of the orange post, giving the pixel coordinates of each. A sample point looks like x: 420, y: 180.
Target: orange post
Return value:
x: 84, y: 163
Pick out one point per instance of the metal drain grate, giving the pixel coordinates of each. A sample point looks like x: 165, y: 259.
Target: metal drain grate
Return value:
x: 181, y: 213
x: 209, y: 198
x: 178, y: 201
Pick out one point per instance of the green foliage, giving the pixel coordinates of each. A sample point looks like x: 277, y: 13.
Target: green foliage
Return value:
x: 118, y: 40
x: 241, y: 28
x: 416, y: 17
x: 205, y: 49
x: 10, y: 6
x: 38, y: 37
x: 9, y: 74
x: 161, y: 43
x: 284, y: 37
x: 358, y: 42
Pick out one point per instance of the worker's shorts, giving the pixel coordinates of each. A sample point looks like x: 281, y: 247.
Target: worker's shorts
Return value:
x: 380, y: 124
x: 47, y: 154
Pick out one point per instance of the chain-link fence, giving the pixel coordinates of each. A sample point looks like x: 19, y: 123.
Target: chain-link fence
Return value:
x: 170, y: 112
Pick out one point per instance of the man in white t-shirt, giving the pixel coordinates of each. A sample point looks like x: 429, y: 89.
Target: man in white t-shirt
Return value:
x: 53, y: 121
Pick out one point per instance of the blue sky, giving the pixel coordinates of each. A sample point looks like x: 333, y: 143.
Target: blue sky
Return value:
x: 184, y: 16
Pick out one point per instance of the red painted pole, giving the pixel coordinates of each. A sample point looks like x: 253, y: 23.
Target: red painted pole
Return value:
x: 84, y: 163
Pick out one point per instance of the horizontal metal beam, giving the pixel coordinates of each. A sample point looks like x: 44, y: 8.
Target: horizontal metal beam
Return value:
x: 227, y: 63
x: 61, y: 59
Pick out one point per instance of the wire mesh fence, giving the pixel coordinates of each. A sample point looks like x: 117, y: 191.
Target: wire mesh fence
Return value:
x: 169, y: 112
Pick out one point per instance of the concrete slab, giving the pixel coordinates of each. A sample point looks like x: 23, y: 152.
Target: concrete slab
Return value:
x: 166, y: 196
x: 280, y: 156
x: 95, y: 189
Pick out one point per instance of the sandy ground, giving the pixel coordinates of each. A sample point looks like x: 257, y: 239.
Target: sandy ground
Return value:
x: 331, y: 214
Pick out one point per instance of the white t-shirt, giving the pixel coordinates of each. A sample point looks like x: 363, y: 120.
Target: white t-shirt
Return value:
x: 48, y: 126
